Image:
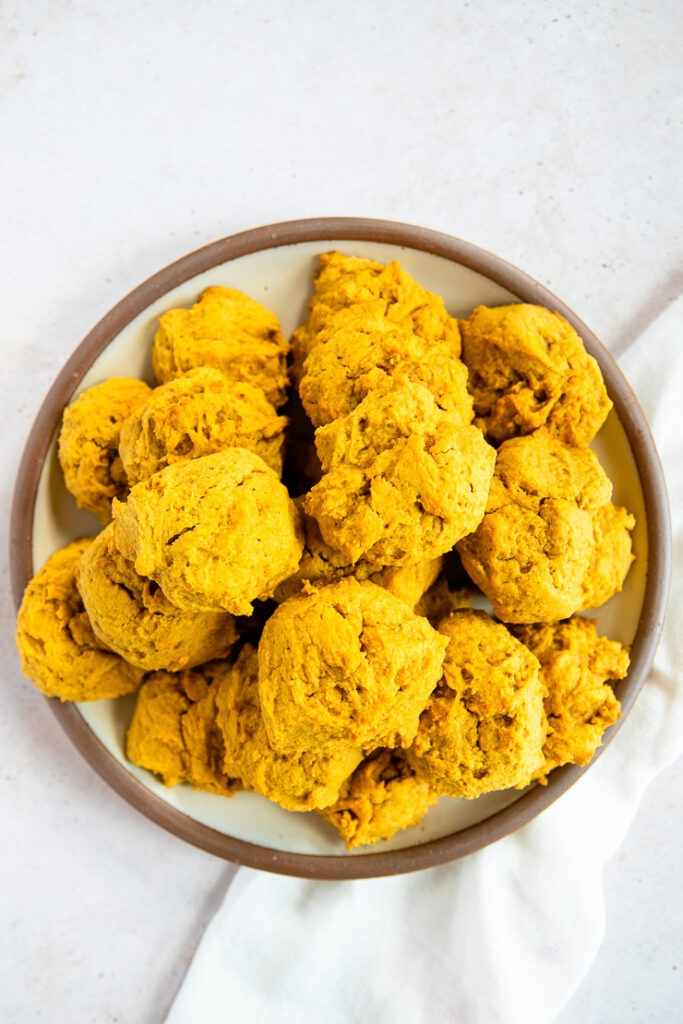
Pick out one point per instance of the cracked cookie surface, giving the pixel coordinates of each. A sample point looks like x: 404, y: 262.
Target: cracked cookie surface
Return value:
x: 89, y: 441
x: 132, y: 617
x: 612, y: 555
x: 402, y: 480
x: 346, y: 664
x: 383, y: 796
x: 232, y: 333
x: 322, y: 564
x: 483, y: 728
x: 528, y: 368
x: 174, y: 732
x: 299, y: 780
x: 198, y: 414
x: 59, y: 651
x: 215, y: 533
x: 377, y: 355
x: 576, y: 664
x: 348, y: 288
x: 534, y: 548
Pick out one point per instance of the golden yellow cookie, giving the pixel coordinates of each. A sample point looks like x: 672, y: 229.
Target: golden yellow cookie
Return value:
x: 484, y: 727
x: 579, y: 703
x: 383, y: 795
x: 322, y: 564
x: 198, y: 414
x: 59, y: 651
x: 612, y: 555
x: 174, y: 733
x: 441, y: 599
x: 377, y: 355
x: 528, y: 368
x: 215, y: 533
x: 131, y: 616
x: 229, y: 331
x: 89, y: 441
x: 300, y: 780
x: 403, y: 481
x: 346, y: 665
x: 532, y: 551
x: 366, y: 288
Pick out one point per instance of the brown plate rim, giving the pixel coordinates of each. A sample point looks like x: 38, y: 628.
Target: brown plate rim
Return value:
x: 530, y: 804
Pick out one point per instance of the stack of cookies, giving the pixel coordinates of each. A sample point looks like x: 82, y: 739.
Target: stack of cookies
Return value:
x: 294, y: 617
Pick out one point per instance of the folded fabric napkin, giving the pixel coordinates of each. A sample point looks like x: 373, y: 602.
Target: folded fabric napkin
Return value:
x: 504, y: 935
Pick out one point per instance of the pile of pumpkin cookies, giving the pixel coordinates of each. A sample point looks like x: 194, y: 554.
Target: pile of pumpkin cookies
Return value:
x: 303, y: 634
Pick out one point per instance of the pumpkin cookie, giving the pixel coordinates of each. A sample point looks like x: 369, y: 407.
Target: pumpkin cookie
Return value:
x: 59, y: 651
x: 579, y: 703
x: 300, y: 780
x: 174, y: 733
x: 535, y: 546
x: 612, y: 555
x: 483, y: 728
x: 403, y: 481
x: 346, y: 665
x: 377, y: 355
x: 322, y: 564
x: 198, y: 414
x: 230, y: 332
x: 215, y: 533
x: 441, y: 599
x: 383, y: 796
x: 89, y: 441
x: 528, y: 368
x: 131, y: 616
x: 347, y: 287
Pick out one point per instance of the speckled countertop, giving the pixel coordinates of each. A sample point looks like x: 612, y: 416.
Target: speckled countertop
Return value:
x: 543, y: 131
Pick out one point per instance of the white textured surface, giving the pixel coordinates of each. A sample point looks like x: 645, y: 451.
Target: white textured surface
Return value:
x: 135, y: 132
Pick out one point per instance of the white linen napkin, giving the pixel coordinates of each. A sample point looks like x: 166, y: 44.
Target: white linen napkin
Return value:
x: 501, y: 937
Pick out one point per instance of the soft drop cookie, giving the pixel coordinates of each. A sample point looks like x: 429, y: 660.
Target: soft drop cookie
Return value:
x: 367, y: 288
x: 198, y: 414
x: 89, y: 441
x: 346, y: 665
x: 402, y: 482
x: 215, y: 533
x: 59, y: 650
x: 576, y: 665
x: 383, y: 796
x: 377, y: 355
x: 229, y: 331
x: 484, y: 727
x: 300, y: 780
x: 612, y: 555
x: 131, y: 616
x: 528, y: 368
x: 174, y: 733
x: 535, y: 547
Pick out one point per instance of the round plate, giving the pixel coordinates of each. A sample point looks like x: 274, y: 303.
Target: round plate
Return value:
x: 275, y: 265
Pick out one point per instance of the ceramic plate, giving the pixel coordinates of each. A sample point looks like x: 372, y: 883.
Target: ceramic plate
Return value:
x: 275, y: 265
